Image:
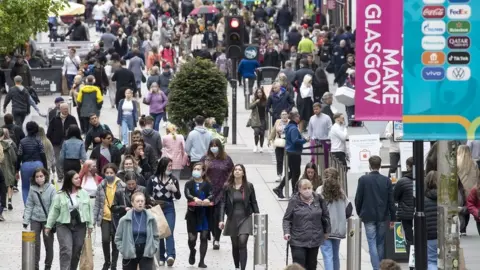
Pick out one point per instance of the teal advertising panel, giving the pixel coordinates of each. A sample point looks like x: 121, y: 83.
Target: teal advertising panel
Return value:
x: 441, y: 70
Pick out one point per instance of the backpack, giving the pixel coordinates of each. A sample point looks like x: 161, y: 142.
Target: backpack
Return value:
x: 116, y: 142
x: 34, y: 95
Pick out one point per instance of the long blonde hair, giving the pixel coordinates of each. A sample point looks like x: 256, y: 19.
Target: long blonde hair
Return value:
x: 464, y: 159
x: 172, y: 129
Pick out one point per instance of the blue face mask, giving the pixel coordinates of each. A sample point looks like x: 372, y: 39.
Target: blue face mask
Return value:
x: 196, y: 174
x: 214, y: 149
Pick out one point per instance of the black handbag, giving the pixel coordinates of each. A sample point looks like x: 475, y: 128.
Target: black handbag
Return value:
x: 53, y: 229
x: 74, y: 214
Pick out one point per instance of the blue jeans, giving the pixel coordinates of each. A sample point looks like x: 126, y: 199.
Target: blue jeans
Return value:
x: 432, y: 254
x: 157, y: 117
x: 169, y: 212
x: 26, y: 171
x: 70, y: 79
x: 127, y: 125
x: 375, y: 232
x: 330, y: 252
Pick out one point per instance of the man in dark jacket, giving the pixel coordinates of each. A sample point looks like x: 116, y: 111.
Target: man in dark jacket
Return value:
x: 99, y: 152
x: 56, y: 133
x: 125, y: 80
x: 210, y: 37
x: 374, y: 205
x: 56, y: 110
x: 78, y: 31
x: 294, y: 37
x: 15, y: 132
x: 278, y: 101
x: 21, y: 69
x: 94, y: 134
x: 21, y: 101
x: 403, y: 196
x: 284, y: 20
x: 301, y: 72
x: 260, y: 14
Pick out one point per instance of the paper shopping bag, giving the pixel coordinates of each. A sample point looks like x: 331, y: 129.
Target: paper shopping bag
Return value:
x: 162, y: 224
x: 86, y: 259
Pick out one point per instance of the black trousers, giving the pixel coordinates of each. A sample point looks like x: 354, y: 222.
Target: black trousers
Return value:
x: 408, y: 233
x: 341, y: 156
x: 306, y: 257
x: 279, y: 153
x: 394, y: 159
x: 19, y: 118
x: 139, y: 261
x: 217, y: 232
x: 108, y: 234
x: 464, y: 219
x: 85, y: 124
x: 294, y: 170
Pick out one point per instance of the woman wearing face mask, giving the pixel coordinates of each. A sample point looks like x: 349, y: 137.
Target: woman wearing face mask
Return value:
x: 311, y: 173
x: 137, y: 236
x: 102, y: 214
x: 199, y: 217
x: 71, y: 214
x: 239, y: 203
x: 218, y: 166
x: 127, y: 117
x: 164, y: 189
x: 339, y: 209
x: 138, y: 153
x: 123, y: 197
x: 36, y: 212
x: 277, y: 139
x: 306, y: 225
x: 257, y: 118
x: 158, y: 102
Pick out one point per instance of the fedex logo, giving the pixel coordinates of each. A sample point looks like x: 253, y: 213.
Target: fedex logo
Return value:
x: 459, y: 11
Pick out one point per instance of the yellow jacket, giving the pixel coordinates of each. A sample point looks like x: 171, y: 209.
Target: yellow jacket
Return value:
x: 87, y: 89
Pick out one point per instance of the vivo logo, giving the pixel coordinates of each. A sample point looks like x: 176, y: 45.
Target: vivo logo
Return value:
x: 459, y: 11
x: 435, y: 27
x: 433, y: 73
x: 434, y: 43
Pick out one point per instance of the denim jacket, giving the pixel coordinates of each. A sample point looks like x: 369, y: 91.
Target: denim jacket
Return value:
x: 73, y: 148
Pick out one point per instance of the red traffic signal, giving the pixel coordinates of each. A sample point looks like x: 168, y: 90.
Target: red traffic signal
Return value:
x: 234, y: 23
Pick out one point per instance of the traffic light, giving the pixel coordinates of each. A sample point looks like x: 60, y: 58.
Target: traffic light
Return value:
x: 234, y: 39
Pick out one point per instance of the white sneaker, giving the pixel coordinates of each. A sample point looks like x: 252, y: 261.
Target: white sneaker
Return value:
x: 261, y: 149
x: 161, y: 263
x: 255, y: 149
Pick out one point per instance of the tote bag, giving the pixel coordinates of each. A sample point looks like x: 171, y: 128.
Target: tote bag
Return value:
x: 162, y: 225
x: 86, y: 259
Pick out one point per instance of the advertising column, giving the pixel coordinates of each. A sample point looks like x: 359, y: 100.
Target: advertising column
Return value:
x: 440, y: 96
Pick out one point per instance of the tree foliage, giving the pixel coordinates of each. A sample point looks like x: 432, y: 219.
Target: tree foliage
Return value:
x: 199, y: 88
x: 22, y: 19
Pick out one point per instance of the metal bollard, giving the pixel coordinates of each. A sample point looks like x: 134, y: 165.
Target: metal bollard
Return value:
x: 28, y: 250
x: 287, y: 177
x: 354, y: 243
x: 130, y: 138
x: 260, y: 245
x: 70, y: 102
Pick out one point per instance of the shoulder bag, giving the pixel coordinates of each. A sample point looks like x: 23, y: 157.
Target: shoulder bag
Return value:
x: 53, y: 229
x: 74, y: 214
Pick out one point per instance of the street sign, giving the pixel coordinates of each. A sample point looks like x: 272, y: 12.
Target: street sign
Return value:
x: 440, y: 80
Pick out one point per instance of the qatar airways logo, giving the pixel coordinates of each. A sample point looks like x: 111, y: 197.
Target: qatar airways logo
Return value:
x: 433, y: 12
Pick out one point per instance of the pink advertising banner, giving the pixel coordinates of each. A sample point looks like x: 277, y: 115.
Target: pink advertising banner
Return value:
x: 379, y: 60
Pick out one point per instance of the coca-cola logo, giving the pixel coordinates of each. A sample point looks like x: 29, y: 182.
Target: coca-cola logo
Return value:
x: 436, y: 12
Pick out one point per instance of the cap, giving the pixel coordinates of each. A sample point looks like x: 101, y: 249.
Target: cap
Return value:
x: 59, y: 99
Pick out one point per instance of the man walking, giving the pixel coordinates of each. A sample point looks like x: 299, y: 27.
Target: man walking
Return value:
x: 374, y: 204
x: 21, y: 101
x: 56, y: 133
x: 198, y: 141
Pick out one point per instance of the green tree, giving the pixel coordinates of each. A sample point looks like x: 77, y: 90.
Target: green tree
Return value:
x: 198, y: 88
x: 22, y: 19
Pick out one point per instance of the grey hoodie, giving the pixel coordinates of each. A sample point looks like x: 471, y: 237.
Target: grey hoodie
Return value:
x: 153, y: 138
x: 197, y: 143
x: 339, y: 211
x: 33, y: 208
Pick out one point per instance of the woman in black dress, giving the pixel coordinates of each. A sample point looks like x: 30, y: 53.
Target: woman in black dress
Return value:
x: 199, y: 217
x: 239, y: 203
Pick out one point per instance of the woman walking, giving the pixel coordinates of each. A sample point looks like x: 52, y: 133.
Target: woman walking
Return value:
x: 468, y: 174
x: 90, y: 178
x: 71, y: 214
x: 239, y: 203
x: 137, y: 236
x: 8, y: 166
x: 73, y: 154
x: 173, y: 147
x: 277, y: 139
x: 30, y: 156
x: 257, y: 118
x: 306, y: 225
x: 218, y: 167
x: 47, y: 145
x: 305, y: 102
x: 36, y: 213
x: 158, y: 102
x: 311, y: 173
x: 164, y: 189
x: 102, y: 214
x: 199, y: 217
x: 339, y: 209
x: 127, y: 117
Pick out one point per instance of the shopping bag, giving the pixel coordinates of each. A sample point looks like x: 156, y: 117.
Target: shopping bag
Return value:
x: 345, y: 95
x: 162, y: 224
x: 86, y: 259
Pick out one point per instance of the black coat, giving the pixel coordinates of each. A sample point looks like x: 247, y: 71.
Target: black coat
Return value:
x: 17, y: 131
x: 57, y: 130
x: 125, y: 80
x: 250, y: 201
x: 403, y: 196
x: 431, y: 213
x: 300, y: 74
x: 121, y: 48
x: 294, y: 38
x: 374, y: 198
x: 123, y: 199
x: 284, y: 17
x: 271, y: 59
x: 194, y: 216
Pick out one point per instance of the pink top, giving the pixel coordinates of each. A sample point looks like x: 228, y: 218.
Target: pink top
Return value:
x: 174, y: 149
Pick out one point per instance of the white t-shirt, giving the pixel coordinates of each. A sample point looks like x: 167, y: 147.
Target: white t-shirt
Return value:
x: 127, y: 107
x: 98, y: 12
x: 90, y: 186
x: 73, y: 204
